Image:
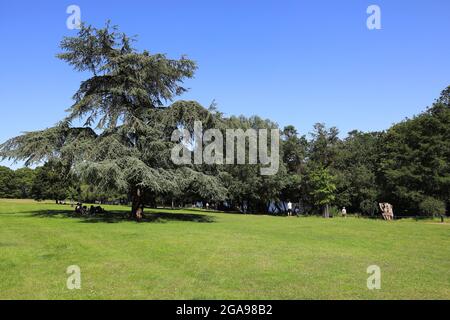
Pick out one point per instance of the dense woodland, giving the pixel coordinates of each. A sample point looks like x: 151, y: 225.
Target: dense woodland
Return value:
x: 407, y: 165
x: 123, y: 149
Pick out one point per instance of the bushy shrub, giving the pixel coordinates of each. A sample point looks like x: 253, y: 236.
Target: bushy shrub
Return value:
x: 432, y: 207
x: 368, y: 207
x: 335, y: 212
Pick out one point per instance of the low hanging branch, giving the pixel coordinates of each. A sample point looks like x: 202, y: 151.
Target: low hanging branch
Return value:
x: 125, y: 139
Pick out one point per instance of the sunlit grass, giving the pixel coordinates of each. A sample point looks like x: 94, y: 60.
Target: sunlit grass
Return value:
x: 186, y: 254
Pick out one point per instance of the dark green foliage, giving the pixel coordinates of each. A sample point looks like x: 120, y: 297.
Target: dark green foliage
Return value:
x: 355, y: 169
x: 125, y: 83
x: 24, y: 180
x: 368, y: 207
x: 432, y: 207
x: 123, y: 101
x: 51, y: 182
x: 123, y: 150
x: 415, y: 158
x: 16, y: 184
x: 323, y: 147
x: 322, y: 188
x: 7, y: 186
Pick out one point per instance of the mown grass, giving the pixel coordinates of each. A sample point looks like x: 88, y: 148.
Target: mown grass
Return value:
x: 189, y: 254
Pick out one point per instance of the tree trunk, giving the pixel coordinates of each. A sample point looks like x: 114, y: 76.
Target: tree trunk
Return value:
x: 137, y: 204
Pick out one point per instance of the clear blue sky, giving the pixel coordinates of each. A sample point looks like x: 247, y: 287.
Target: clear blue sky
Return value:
x: 295, y: 62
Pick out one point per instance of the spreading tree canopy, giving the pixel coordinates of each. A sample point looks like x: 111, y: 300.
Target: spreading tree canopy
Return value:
x: 125, y: 142
x: 128, y: 113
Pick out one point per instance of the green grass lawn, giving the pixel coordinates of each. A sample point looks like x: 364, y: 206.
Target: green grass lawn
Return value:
x: 189, y: 254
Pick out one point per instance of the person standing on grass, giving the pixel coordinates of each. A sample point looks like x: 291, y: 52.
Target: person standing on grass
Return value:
x: 289, y: 208
x: 344, y: 212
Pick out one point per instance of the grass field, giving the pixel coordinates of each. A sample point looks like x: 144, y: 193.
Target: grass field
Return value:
x: 197, y: 255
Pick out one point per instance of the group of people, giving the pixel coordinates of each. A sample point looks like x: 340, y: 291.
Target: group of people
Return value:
x: 80, y: 209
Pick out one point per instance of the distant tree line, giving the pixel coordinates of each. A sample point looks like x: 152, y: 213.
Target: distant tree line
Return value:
x: 124, y: 147
x: 48, y: 182
x: 406, y: 165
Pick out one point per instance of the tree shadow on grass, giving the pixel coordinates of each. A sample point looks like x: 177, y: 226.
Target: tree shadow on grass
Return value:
x: 122, y: 216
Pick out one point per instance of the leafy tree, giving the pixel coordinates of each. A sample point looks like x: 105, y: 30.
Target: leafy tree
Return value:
x: 51, y: 182
x: 247, y: 188
x: 355, y: 169
x: 24, y: 179
x: 415, y: 158
x: 323, y: 146
x: 196, y: 186
x: 322, y: 188
x: 294, y: 149
x: 432, y: 207
x: 16, y: 184
x: 7, y: 185
x: 368, y: 207
x: 123, y: 145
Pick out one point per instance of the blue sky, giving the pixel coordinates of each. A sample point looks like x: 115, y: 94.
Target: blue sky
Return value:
x: 295, y: 62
